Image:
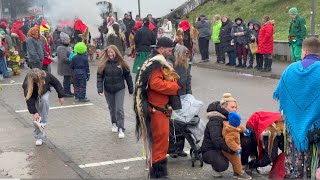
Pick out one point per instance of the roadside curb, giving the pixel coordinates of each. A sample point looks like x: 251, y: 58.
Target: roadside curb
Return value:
x: 253, y: 72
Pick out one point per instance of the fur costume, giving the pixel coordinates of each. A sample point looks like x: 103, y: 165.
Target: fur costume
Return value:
x: 14, y: 60
x: 148, y: 118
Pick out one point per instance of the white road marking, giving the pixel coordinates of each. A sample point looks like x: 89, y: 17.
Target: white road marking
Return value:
x: 118, y: 161
x: 11, y: 84
x: 60, y: 107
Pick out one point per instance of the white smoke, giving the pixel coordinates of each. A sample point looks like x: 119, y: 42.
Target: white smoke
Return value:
x: 86, y: 10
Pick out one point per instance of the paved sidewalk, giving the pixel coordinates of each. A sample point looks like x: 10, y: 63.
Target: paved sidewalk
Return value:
x: 277, y: 67
x: 20, y: 158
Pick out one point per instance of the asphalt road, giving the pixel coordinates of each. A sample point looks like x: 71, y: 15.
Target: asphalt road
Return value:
x: 82, y: 134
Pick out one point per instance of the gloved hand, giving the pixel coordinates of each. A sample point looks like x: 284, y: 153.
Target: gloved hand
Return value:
x: 247, y: 132
x: 88, y: 76
x: 238, y: 152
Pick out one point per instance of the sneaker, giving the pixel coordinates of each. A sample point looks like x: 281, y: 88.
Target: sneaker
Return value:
x: 183, y: 154
x: 216, y: 174
x: 38, y: 142
x: 84, y: 100
x: 68, y: 95
x: 114, y: 128
x: 121, y: 134
x: 38, y: 125
x: 244, y: 176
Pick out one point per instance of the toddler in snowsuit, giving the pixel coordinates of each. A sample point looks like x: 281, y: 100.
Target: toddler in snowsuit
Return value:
x: 231, y: 133
x: 14, y: 61
x: 80, y: 72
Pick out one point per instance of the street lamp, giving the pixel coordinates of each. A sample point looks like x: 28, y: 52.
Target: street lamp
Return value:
x: 139, y: 8
x: 313, y: 16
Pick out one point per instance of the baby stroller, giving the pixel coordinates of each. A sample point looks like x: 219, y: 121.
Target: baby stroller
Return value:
x: 182, y: 127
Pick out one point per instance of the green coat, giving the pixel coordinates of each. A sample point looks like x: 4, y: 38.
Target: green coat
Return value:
x: 216, y: 31
x: 298, y: 27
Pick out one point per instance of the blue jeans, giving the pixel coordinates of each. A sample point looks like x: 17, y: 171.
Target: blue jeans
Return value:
x: 3, y: 68
x: 42, y: 105
x: 232, y: 57
x: 80, y: 86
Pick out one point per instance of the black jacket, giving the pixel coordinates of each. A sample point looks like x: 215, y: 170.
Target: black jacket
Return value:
x: 143, y: 39
x: 112, y: 78
x: 129, y: 24
x: 80, y: 66
x: 50, y: 80
x: 225, y: 36
x: 213, y: 139
x: 184, y: 81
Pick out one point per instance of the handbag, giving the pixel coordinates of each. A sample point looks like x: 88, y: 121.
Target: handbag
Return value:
x: 253, y: 47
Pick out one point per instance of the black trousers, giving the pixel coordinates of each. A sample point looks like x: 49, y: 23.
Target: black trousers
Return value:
x: 217, y: 160
x: 204, y: 48
x: 219, y: 52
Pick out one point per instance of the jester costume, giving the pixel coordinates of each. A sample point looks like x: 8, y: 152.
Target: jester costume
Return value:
x: 154, y: 84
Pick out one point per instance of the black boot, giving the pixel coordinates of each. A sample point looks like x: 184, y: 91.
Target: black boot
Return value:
x: 269, y: 65
x: 266, y: 65
x: 260, y: 64
x: 244, y: 64
x: 240, y: 63
x: 159, y: 170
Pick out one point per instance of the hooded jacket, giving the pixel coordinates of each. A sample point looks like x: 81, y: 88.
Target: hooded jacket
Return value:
x: 232, y: 135
x: 204, y: 28
x: 241, y: 28
x: 225, y: 36
x: 265, y: 45
x: 213, y: 139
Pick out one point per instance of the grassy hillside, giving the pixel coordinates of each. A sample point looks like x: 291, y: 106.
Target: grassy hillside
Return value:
x: 256, y: 9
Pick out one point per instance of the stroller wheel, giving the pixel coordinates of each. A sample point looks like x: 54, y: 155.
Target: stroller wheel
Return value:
x: 201, y: 163
x: 192, y: 164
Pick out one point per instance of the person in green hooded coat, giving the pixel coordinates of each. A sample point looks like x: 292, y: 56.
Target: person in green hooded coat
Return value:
x: 297, y: 32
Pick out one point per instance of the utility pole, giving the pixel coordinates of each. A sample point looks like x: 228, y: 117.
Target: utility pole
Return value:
x: 1, y: 7
x: 139, y: 8
x: 313, y: 16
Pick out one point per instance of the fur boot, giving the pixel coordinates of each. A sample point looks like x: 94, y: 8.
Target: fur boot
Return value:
x: 159, y: 170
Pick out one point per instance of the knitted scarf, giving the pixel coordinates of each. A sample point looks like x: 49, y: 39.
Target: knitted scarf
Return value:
x: 298, y: 92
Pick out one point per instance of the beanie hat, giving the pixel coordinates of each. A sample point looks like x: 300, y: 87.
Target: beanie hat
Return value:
x: 234, y: 119
x: 227, y: 97
x: 80, y: 48
x: 64, y: 36
x: 293, y: 10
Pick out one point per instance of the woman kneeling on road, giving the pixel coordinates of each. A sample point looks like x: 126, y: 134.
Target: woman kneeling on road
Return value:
x: 213, y: 142
x: 36, y: 88
x: 112, y: 72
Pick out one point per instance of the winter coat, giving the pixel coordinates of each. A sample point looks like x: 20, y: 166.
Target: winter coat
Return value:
x: 56, y: 37
x: 216, y: 27
x: 225, y: 36
x: 122, y: 26
x: 129, y: 24
x: 204, y: 28
x: 167, y: 28
x: 298, y: 27
x: 50, y: 80
x: 63, y: 53
x: 213, y: 139
x: 117, y: 40
x: 80, y: 66
x: 46, y: 60
x: 242, y: 39
x: 35, y: 50
x: 143, y: 39
x: 184, y: 81
x: 232, y: 135
x: 266, y: 38
x: 112, y: 78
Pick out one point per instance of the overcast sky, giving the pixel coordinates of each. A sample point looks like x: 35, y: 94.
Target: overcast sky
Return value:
x: 157, y: 8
